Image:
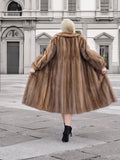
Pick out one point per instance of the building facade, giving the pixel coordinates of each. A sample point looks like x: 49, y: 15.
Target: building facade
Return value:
x: 26, y: 27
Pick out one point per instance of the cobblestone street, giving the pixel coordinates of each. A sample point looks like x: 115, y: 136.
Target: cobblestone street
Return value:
x: 30, y: 134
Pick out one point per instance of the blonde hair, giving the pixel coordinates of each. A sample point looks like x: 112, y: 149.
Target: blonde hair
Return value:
x: 68, y: 26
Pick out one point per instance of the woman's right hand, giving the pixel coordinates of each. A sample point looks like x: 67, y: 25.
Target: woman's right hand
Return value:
x: 32, y: 71
x: 104, y: 70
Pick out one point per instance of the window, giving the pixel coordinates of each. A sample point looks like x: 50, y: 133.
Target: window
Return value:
x: 44, y: 5
x: 15, y: 9
x: 104, y: 5
x: 42, y: 48
x: 104, y: 43
x: 104, y: 52
x: 71, y: 5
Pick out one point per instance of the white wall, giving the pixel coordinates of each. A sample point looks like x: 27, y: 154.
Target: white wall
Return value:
x: 50, y: 32
x: 91, y: 43
x: 119, y: 5
x: 57, y: 5
x: 89, y: 5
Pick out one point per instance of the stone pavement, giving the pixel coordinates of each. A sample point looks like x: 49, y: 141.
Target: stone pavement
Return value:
x: 30, y: 134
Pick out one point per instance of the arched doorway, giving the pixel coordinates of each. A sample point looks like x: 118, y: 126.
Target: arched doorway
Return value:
x: 12, y: 50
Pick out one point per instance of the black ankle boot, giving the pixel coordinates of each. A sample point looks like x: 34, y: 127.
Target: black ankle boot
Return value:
x: 70, y: 129
x: 67, y: 131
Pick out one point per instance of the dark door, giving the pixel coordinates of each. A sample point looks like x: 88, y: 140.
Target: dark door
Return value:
x: 12, y: 57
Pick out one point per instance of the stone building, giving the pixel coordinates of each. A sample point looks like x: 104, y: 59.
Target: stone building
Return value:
x: 26, y: 27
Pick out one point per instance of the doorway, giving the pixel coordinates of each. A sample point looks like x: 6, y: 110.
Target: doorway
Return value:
x: 12, y: 57
x: 104, y: 52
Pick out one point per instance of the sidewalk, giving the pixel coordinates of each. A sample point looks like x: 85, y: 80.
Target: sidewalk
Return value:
x: 30, y: 134
x: 25, y: 134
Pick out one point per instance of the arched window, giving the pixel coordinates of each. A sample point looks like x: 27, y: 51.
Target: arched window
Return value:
x: 15, y: 9
x: 104, y: 5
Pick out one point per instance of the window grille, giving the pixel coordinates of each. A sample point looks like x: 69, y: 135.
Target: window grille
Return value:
x: 71, y: 5
x: 104, y: 5
x: 44, y: 5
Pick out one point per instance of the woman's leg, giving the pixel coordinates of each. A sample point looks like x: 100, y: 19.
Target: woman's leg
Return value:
x: 67, y: 119
x: 67, y: 128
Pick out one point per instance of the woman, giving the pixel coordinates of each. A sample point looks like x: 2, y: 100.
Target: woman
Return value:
x: 69, y: 78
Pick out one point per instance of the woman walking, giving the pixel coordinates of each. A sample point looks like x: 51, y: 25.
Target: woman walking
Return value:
x: 69, y: 78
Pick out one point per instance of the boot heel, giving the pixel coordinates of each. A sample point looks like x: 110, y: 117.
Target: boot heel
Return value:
x: 71, y: 134
x: 70, y: 131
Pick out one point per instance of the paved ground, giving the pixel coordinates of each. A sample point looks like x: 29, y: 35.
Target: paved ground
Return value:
x: 29, y: 134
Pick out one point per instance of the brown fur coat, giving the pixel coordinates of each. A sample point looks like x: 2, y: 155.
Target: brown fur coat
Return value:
x: 68, y: 78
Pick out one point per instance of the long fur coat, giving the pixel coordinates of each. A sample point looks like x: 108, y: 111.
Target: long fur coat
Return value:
x: 68, y: 78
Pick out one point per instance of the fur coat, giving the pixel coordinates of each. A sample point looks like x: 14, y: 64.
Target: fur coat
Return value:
x: 68, y: 78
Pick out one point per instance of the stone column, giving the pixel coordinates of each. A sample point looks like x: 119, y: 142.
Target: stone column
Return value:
x: 27, y: 4
x: 0, y: 46
x: 33, y: 8
x: 3, y: 53
x: 119, y: 49
x: 49, y: 5
x: 33, y: 5
x: 21, y: 61
x: 26, y: 8
x: 32, y: 54
x: 27, y: 46
x: 4, y: 57
x: 37, y: 4
x: 115, y: 7
x: 84, y: 28
x: 26, y: 51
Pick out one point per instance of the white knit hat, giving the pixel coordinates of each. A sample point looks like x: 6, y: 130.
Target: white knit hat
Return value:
x: 68, y: 26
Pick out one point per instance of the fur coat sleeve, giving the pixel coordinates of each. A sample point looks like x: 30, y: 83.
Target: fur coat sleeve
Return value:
x: 92, y: 57
x: 48, y: 54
